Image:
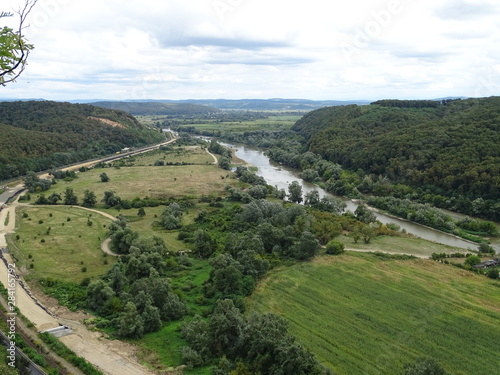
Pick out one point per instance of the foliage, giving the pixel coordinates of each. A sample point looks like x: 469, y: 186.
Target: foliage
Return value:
x: 334, y: 247
x: 104, y: 177
x: 424, y: 366
x: 257, y: 344
x: 14, y: 48
x: 419, y: 144
x: 41, y: 135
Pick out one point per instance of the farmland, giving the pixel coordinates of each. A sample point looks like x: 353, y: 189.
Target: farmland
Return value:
x: 361, y: 315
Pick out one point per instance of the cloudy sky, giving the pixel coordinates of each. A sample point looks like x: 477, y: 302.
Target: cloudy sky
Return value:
x: 314, y: 49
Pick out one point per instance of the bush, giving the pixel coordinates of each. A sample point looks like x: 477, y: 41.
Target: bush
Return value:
x: 335, y: 247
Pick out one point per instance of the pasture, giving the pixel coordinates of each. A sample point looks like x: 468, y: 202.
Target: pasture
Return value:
x: 58, y: 242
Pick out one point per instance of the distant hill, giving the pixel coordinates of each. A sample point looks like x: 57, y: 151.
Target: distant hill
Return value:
x: 158, y: 108
x: 38, y: 135
x: 204, y: 106
x: 448, y: 149
x: 274, y: 104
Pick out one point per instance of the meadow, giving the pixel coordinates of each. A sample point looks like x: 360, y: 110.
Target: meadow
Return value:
x: 362, y: 315
x: 153, y: 182
x: 58, y: 243
x: 272, y: 123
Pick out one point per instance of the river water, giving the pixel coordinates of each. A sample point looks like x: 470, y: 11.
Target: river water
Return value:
x: 281, y: 176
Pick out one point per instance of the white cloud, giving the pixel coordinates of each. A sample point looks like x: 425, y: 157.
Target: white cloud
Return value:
x: 256, y: 48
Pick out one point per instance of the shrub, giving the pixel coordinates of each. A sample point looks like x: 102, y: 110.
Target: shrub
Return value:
x: 335, y: 247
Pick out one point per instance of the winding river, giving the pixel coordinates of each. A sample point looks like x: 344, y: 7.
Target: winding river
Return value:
x: 281, y: 176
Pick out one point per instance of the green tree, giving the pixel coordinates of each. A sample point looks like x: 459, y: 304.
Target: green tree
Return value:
x: 225, y: 163
x: 312, y: 198
x: 54, y: 198
x: 472, y: 260
x: 99, y: 294
x: 111, y: 199
x: 14, y: 49
x: 295, y: 192
x: 424, y: 366
x: 204, y: 244
x: 364, y: 214
x: 306, y: 247
x: 130, y: 323
x: 334, y: 247
x: 70, y: 199
x: 493, y: 273
x: 141, y: 212
x: 89, y: 199
x: 104, y: 177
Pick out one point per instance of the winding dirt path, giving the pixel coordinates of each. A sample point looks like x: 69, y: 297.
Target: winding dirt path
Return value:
x: 213, y: 156
x: 111, y: 357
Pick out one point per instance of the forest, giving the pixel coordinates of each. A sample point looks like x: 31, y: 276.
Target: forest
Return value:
x: 446, y: 153
x: 40, y: 135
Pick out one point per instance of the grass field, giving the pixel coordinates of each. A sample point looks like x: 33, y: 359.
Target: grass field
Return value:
x: 403, y: 245
x: 189, y: 154
x: 271, y: 123
x: 153, y: 182
x: 60, y: 253
x: 365, y: 316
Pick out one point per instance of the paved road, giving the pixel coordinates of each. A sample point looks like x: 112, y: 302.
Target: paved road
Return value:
x: 10, y: 193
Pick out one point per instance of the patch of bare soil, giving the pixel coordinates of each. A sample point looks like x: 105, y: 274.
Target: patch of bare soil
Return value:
x: 107, y: 122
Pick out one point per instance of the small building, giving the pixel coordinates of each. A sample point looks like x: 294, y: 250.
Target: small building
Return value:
x: 489, y: 263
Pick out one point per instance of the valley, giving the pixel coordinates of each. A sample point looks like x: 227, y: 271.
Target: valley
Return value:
x: 231, y: 245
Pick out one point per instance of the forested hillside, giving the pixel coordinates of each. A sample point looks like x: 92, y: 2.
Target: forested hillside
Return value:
x: 41, y: 135
x: 159, y: 108
x: 448, y: 149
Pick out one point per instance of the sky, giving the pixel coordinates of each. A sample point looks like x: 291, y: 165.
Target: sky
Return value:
x: 236, y: 49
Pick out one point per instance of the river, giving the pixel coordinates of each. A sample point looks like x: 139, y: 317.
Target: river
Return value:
x: 281, y: 176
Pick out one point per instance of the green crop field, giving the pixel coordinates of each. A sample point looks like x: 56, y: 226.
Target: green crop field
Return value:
x: 62, y: 251
x: 361, y: 315
x: 271, y: 123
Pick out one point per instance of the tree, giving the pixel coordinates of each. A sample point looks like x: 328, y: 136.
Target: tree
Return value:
x: 130, y: 323
x: 472, y: 260
x: 424, y: 366
x: 306, y: 247
x: 89, y: 199
x: 204, y: 244
x: 54, y: 198
x: 70, y: 199
x: 141, y: 212
x: 312, y: 198
x: 364, y: 214
x: 110, y: 199
x: 225, y: 163
x: 104, y: 177
x: 295, y: 192
x: 14, y: 49
x: 334, y: 247
x: 34, y: 184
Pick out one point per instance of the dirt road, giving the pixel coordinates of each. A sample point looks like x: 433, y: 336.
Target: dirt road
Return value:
x: 110, y: 357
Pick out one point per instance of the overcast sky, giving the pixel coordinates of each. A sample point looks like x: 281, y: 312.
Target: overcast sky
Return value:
x: 314, y: 49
